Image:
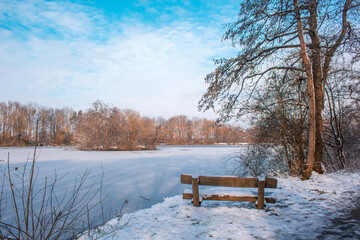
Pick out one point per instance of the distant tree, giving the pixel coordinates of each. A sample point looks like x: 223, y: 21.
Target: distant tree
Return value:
x: 92, y: 128
x: 197, y: 130
x: 207, y: 129
x: 178, y: 125
x: 285, y: 37
x: 160, y: 130
x: 104, y: 127
x: 147, y: 137
x: 4, y: 120
x: 132, y: 128
x: 43, y: 126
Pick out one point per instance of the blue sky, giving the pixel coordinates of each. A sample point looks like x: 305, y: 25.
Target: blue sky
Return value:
x: 150, y: 56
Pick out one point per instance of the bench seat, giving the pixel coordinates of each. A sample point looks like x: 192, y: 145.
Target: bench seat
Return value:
x: 222, y: 194
x: 254, y: 189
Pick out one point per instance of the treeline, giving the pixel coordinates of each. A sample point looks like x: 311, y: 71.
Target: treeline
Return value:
x: 104, y: 127
x: 18, y: 124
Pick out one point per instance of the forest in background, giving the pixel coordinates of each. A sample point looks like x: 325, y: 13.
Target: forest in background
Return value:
x: 104, y: 127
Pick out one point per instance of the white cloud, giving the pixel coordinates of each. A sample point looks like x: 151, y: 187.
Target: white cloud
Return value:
x: 154, y: 70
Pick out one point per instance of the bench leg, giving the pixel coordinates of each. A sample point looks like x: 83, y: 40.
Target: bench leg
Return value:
x: 195, y: 189
x: 261, y: 193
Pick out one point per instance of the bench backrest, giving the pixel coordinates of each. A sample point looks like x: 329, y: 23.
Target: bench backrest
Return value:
x: 229, y: 181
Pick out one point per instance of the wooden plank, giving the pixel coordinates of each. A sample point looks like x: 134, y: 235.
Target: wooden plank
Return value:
x: 195, y: 188
x: 221, y: 181
x: 186, y: 179
x: 229, y: 198
x: 187, y: 195
x: 261, y: 194
x: 270, y: 183
x: 223, y: 197
x: 232, y: 198
x: 228, y: 181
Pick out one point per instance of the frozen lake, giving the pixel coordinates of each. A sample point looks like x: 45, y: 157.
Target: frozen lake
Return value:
x: 143, y: 178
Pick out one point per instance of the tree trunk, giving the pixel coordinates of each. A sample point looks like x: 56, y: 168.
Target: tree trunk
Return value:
x: 317, y: 81
x: 310, y: 160
x: 320, y: 88
x: 319, y: 96
x: 311, y: 95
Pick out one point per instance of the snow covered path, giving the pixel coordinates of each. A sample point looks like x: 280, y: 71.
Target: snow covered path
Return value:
x: 304, y: 210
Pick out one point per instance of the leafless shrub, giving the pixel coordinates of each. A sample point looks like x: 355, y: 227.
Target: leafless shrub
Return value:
x: 342, y: 124
x: 32, y: 210
x: 279, y: 129
x: 259, y: 160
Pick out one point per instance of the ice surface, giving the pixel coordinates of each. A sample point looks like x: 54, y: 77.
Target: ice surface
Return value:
x: 143, y: 178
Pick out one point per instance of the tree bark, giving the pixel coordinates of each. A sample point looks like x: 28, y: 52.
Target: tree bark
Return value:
x: 319, y: 143
x: 315, y: 55
x: 311, y: 94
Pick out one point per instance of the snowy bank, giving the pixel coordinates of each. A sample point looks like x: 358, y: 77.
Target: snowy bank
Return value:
x: 316, y: 209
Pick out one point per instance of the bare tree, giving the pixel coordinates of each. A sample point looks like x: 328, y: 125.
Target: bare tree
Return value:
x: 281, y: 115
x: 284, y: 36
x: 18, y: 124
x: 109, y: 128
x: 341, y: 125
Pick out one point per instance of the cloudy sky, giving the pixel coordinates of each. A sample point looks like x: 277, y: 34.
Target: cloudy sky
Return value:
x: 147, y: 55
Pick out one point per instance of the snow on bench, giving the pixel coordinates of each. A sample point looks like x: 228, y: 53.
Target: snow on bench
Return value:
x: 222, y: 194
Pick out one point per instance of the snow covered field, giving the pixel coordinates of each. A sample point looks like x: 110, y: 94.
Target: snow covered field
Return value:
x: 322, y: 208
x: 143, y: 178
x: 325, y: 207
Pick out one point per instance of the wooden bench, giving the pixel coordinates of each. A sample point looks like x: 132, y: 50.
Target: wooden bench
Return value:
x: 229, y: 182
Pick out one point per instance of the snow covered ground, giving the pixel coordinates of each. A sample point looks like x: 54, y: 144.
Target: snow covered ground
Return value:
x: 325, y: 207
